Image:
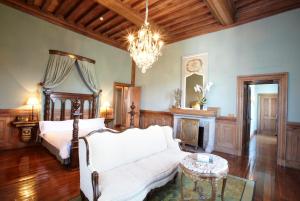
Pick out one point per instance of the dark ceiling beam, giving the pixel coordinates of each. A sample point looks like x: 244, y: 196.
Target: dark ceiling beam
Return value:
x: 223, y: 10
x: 128, y: 13
x: 123, y: 10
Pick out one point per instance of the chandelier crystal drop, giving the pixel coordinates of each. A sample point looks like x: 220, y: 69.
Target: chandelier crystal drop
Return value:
x: 145, y: 45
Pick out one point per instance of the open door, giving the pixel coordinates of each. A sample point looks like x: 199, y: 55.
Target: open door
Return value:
x: 134, y: 96
x: 124, y: 95
x: 247, y: 117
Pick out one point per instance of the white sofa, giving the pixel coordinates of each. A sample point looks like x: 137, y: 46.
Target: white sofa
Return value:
x: 127, y: 165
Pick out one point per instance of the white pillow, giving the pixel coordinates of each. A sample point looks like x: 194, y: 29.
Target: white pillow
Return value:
x: 91, y: 124
x: 54, y: 126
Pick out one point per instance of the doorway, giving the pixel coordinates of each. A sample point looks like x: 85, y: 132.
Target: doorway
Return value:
x: 124, y: 96
x: 244, y: 111
x: 263, y: 109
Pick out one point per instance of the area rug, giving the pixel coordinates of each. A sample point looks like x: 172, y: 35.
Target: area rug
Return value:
x: 237, y: 189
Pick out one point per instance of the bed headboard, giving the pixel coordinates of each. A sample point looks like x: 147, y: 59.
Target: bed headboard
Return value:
x: 51, y: 98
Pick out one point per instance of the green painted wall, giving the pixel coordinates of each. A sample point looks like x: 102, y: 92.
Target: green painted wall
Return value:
x: 268, y: 45
x: 24, y: 44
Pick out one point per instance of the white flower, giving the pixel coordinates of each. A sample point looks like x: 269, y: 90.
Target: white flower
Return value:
x: 198, y: 88
x: 208, y: 86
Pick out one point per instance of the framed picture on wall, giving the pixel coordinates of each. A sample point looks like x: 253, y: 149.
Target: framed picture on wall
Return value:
x: 194, y: 71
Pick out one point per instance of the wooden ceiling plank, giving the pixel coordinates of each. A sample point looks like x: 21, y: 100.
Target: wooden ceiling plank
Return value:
x: 38, y: 3
x: 91, y: 15
x: 124, y: 32
x: 262, y: 7
x: 155, y: 7
x: 193, y: 27
x: 80, y: 10
x: 223, y: 10
x: 188, y: 34
x: 185, y: 18
x: 45, y: 5
x: 123, y: 10
x: 244, y: 3
x: 191, y: 12
x: 189, y: 22
x: 32, y: 10
x: 65, y: 8
x: 110, y: 24
x: 106, y: 14
x: 117, y: 28
x: 141, y: 5
x: 30, y: 2
x: 129, y: 14
x: 173, y: 9
x: 107, y: 18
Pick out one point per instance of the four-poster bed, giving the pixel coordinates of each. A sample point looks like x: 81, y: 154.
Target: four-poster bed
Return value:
x: 61, y: 138
x: 77, y: 112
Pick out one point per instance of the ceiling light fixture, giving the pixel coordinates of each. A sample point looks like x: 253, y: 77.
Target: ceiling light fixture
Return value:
x: 145, y: 45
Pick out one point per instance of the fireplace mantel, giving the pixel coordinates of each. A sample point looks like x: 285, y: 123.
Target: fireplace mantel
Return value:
x: 196, y: 112
x: 206, y: 118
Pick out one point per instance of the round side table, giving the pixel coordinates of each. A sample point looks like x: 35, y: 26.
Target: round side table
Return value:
x: 213, y: 170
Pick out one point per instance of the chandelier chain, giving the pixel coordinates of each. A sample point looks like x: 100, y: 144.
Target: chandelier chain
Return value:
x: 146, y: 17
x: 145, y: 45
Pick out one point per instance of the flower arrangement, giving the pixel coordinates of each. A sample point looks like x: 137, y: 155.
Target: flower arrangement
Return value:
x: 177, y: 94
x: 202, y: 91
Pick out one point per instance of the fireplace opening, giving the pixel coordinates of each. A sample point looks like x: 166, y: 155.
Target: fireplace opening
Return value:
x: 201, y: 137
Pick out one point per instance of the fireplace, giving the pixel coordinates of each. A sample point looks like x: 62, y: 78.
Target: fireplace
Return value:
x: 201, y: 137
x: 201, y: 133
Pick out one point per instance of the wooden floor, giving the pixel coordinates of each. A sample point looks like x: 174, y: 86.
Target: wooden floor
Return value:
x: 33, y: 174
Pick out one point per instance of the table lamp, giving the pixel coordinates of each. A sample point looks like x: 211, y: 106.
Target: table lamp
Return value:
x: 106, y: 105
x: 32, y: 101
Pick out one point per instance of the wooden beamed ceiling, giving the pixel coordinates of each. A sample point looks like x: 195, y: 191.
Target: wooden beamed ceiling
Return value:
x: 110, y: 21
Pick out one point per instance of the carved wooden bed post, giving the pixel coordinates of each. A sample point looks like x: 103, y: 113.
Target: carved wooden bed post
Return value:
x: 74, y: 159
x: 47, y: 93
x: 132, y: 113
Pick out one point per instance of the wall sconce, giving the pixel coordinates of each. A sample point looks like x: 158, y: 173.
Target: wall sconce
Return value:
x: 32, y: 101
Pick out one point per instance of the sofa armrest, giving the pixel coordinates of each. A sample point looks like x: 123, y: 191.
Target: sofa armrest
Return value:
x: 180, y: 144
x: 89, y: 177
x: 178, y: 140
x: 95, y: 184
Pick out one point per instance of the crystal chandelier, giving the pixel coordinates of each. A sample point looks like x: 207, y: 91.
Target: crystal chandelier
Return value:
x: 145, y: 46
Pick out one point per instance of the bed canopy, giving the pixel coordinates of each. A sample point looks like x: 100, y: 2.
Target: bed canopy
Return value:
x: 60, y: 64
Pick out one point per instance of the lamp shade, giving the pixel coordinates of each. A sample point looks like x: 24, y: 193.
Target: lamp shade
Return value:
x: 32, y: 101
x: 106, y: 104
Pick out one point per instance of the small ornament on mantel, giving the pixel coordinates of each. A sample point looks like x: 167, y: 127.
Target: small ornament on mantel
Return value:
x: 177, y: 95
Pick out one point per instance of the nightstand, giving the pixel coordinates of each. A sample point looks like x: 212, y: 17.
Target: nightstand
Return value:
x: 27, y: 129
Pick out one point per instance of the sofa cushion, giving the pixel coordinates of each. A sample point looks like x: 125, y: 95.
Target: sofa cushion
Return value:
x: 130, y: 181
x: 109, y: 150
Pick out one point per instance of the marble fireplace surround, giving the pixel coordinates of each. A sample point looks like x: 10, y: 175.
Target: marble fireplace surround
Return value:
x: 207, y: 119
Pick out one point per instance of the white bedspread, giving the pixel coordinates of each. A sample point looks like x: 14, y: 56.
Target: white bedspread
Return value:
x: 59, y: 133
x: 62, y: 140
